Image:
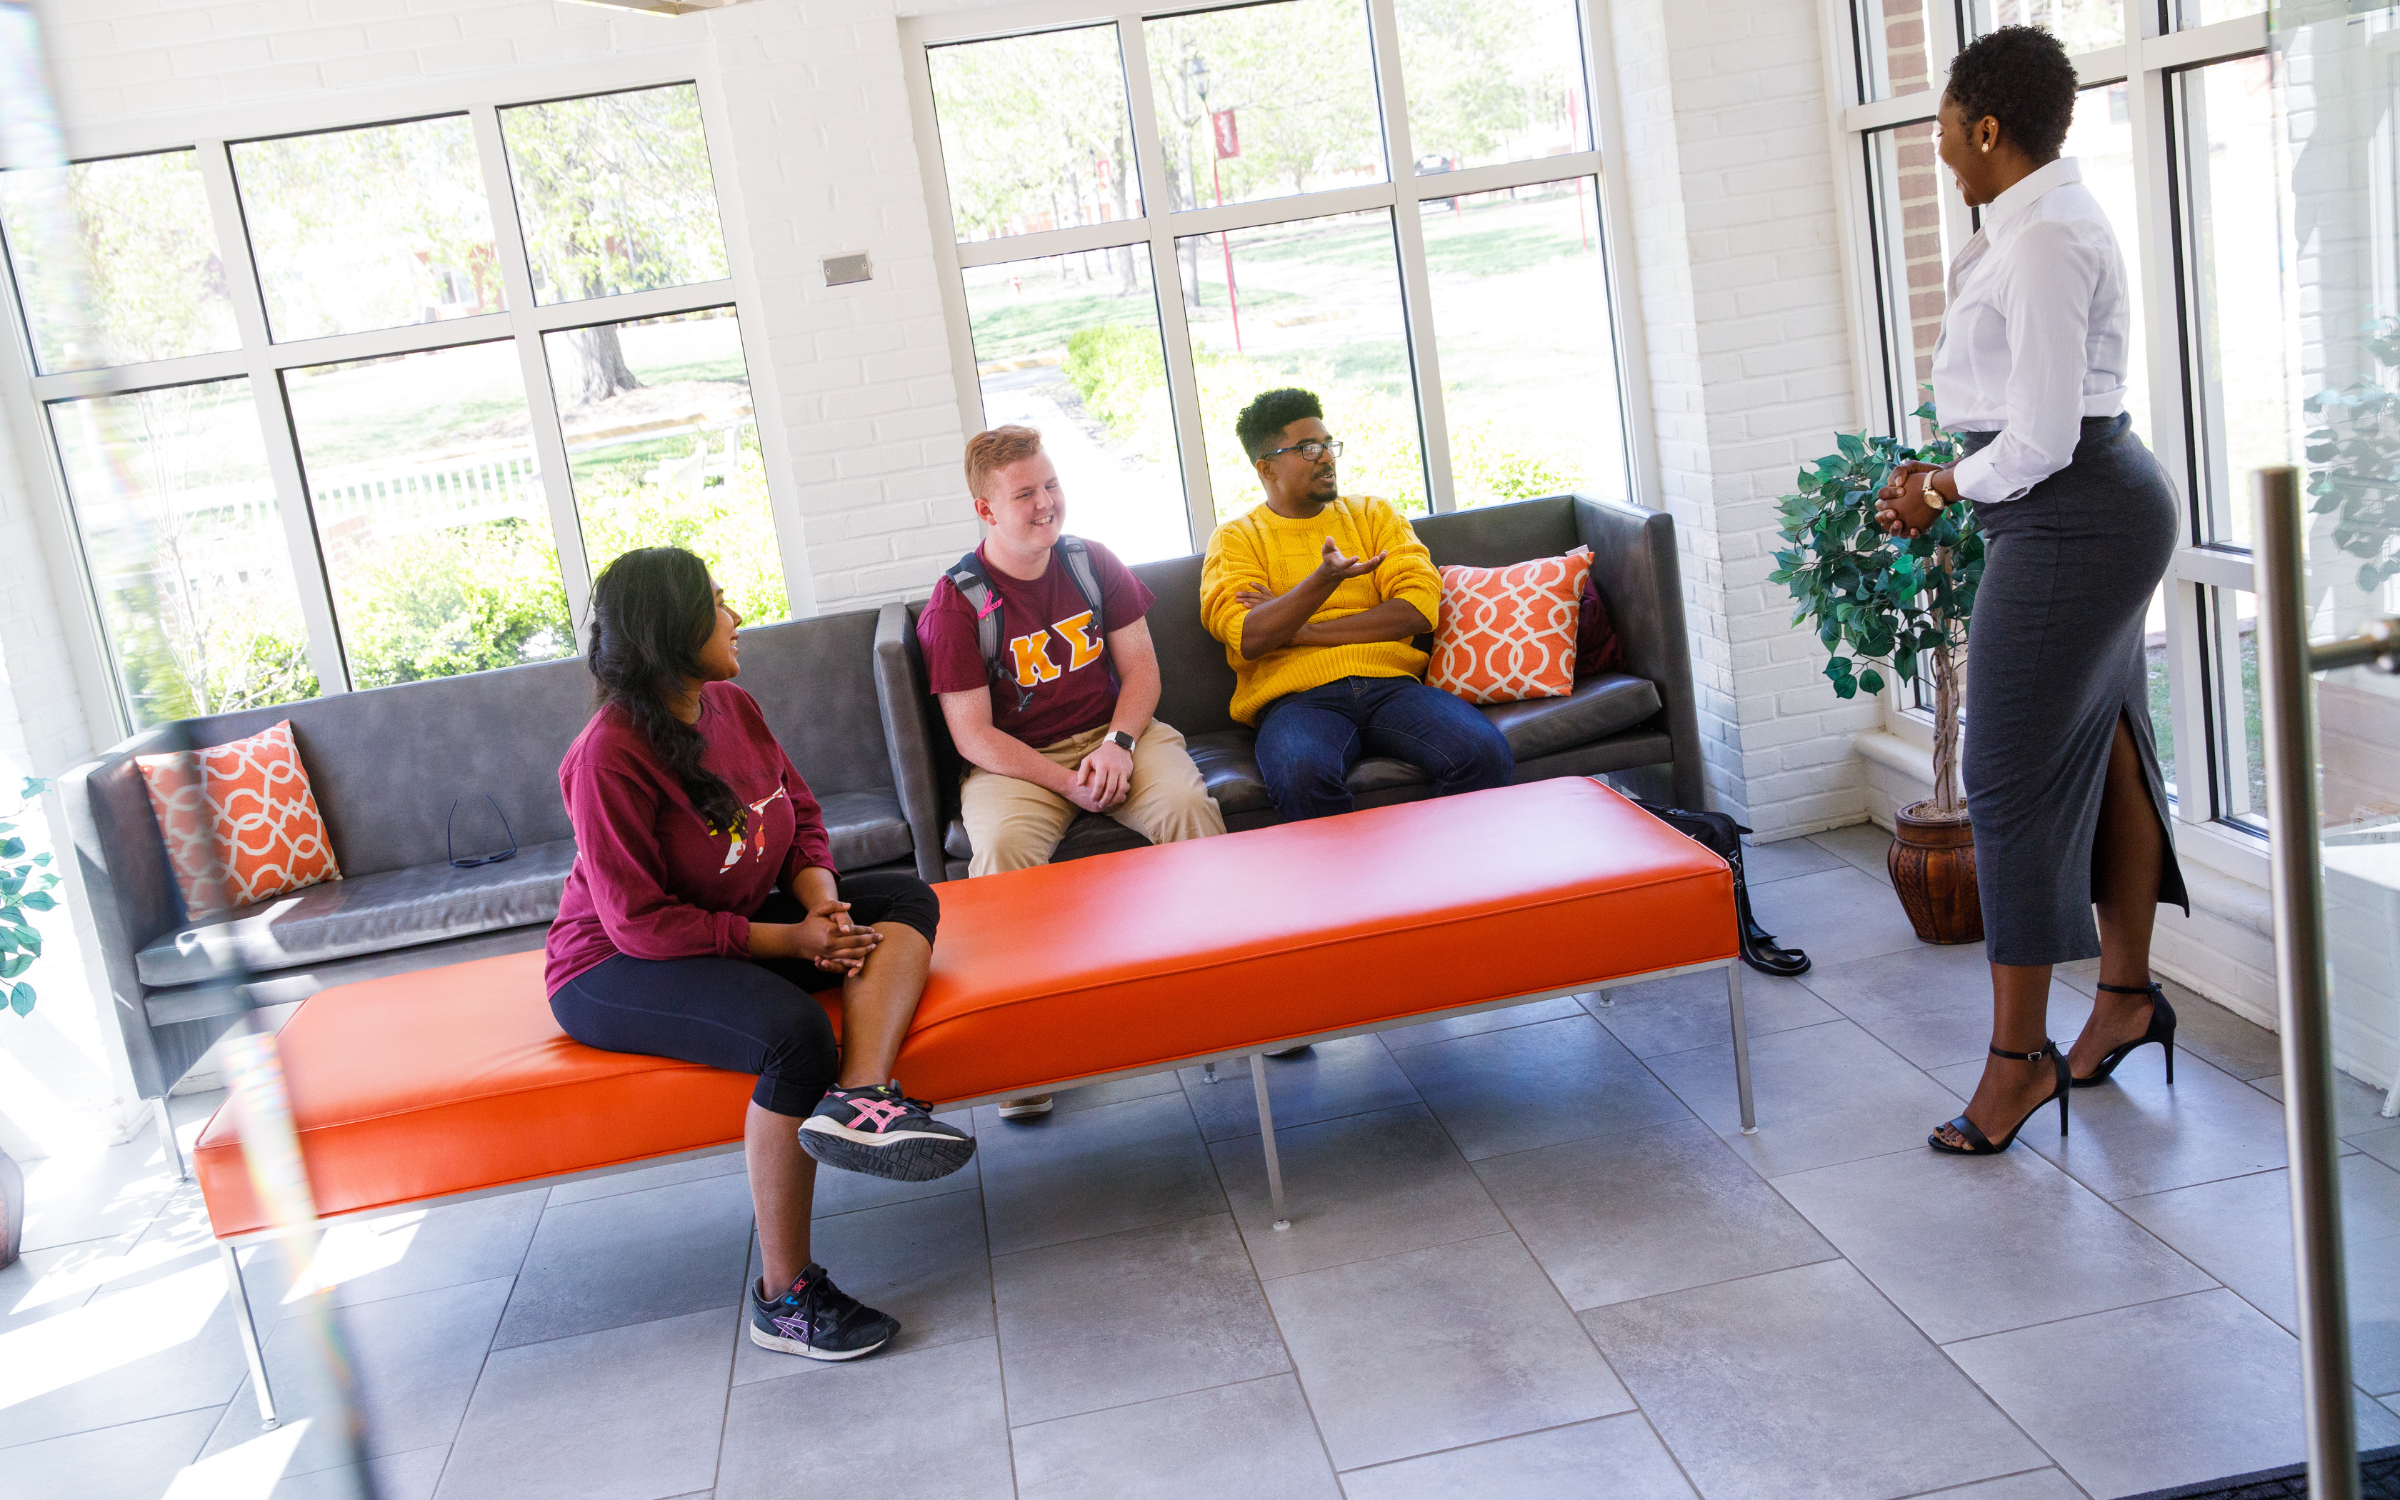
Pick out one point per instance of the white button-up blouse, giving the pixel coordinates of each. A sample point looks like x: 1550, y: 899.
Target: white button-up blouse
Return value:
x: 2035, y: 338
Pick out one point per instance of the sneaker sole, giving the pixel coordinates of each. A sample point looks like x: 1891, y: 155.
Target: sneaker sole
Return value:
x: 895, y: 1158
x: 810, y: 1351
x: 1025, y: 1111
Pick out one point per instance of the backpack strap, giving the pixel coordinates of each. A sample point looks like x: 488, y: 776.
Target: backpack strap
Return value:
x: 973, y: 585
x: 1072, y: 551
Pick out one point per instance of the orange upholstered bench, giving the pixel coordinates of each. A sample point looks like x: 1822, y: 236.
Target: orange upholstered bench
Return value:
x: 456, y: 1082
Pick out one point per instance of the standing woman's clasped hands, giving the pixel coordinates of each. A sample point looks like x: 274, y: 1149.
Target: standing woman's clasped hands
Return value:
x: 1912, y: 499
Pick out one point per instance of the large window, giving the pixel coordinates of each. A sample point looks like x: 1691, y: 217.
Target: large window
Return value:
x: 1395, y: 203
x: 373, y: 404
x: 2176, y: 134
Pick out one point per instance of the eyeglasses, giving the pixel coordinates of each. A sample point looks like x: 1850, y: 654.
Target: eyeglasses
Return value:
x: 1312, y: 450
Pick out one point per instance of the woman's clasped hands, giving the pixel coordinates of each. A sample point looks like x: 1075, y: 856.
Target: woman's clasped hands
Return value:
x: 831, y: 941
x: 1908, y: 502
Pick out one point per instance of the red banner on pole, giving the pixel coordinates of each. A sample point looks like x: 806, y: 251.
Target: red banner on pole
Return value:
x: 1229, y: 139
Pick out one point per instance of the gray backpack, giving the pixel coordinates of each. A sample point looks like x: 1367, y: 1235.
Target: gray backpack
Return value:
x: 975, y: 586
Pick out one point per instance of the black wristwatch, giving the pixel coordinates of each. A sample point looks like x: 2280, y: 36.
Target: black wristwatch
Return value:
x: 1120, y: 739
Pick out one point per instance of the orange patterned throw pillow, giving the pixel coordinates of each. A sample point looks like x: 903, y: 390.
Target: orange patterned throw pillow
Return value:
x: 246, y: 827
x: 1509, y: 633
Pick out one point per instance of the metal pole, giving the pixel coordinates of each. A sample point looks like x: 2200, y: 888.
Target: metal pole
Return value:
x: 2287, y: 707
x: 1266, y: 1131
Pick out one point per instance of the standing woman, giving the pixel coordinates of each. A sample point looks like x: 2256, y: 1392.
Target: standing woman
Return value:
x: 703, y: 912
x: 2063, y: 785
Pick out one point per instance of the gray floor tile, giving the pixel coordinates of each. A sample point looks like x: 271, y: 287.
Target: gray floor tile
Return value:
x: 96, y: 1194
x: 1093, y: 1096
x: 1536, y: 1086
x: 623, y: 1414
x: 129, y: 1459
x: 1094, y: 1172
x: 1838, y: 916
x: 124, y: 1356
x: 1933, y: 1005
x: 2210, y: 1030
x: 1675, y: 1015
x: 634, y: 1258
x: 1418, y: 1352
x: 923, y: 1262
x: 2383, y: 1145
x: 1255, y: 1438
x: 959, y: 1454
x: 1784, y: 859
x: 1505, y: 1019
x: 45, y: 1283
x: 1804, y: 1383
x: 418, y: 1249
x: 1131, y: 1317
x: 2162, y: 1394
x: 1863, y: 846
x: 396, y: 1476
x: 1564, y: 1463
x: 2135, y: 1135
x: 1646, y: 1212
x: 1974, y: 1247
x: 723, y: 1164
x: 2040, y: 1484
x: 1356, y: 1188
x: 1825, y: 1094
x: 2240, y: 1231
x: 415, y: 1361
x: 1352, y: 1076
x: 2357, y: 1107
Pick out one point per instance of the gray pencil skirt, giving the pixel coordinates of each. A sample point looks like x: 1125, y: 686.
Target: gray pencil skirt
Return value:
x: 2056, y: 660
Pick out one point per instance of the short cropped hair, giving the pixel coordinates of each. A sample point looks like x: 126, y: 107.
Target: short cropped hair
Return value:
x: 2020, y: 76
x: 1264, y: 419
x: 990, y: 452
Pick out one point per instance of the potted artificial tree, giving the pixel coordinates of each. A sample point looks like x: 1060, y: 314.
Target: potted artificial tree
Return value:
x: 1884, y: 605
x: 25, y: 883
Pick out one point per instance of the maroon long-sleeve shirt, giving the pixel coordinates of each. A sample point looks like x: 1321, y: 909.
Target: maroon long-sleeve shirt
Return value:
x: 651, y: 880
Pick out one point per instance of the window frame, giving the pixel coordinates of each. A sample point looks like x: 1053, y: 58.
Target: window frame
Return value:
x: 263, y: 362
x: 1159, y: 226
x: 2152, y: 53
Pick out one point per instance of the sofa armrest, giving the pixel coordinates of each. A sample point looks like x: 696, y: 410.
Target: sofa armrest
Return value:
x: 908, y: 733
x: 119, y: 865
x: 1635, y: 569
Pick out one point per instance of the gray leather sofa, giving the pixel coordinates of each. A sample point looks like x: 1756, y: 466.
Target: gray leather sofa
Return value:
x: 386, y: 767
x: 1641, y: 720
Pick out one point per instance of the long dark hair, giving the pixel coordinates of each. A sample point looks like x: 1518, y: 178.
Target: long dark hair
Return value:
x: 652, y: 611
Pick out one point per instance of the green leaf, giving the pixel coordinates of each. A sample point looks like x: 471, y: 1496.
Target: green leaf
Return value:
x: 1871, y: 680
x: 11, y: 848
x: 1854, y: 448
x: 40, y: 901
x: 15, y: 964
x: 20, y: 999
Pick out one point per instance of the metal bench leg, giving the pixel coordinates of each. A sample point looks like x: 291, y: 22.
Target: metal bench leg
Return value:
x: 166, y: 1138
x: 1266, y: 1133
x: 1605, y: 999
x: 1741, y: 1045
x: 249, y: 1327
x: 1208, y: 1072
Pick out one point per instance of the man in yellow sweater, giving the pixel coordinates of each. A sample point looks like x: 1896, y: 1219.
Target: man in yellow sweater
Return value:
x: 1319, y: 597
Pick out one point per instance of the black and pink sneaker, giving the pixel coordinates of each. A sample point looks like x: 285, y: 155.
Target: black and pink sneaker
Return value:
x: 817, y: 1320
x: 882, y: 1133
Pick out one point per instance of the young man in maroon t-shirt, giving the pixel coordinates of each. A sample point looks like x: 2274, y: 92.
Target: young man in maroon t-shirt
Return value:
x: 1064, y: 725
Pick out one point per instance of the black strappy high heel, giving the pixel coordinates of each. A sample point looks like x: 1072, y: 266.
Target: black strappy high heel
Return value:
x: 1977, y: 1144
x: 2162, y: 1031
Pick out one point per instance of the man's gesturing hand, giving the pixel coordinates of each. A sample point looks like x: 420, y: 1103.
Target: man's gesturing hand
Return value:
x: 1338, y: 566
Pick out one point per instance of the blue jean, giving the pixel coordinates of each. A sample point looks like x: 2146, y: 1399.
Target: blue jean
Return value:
x: 1307, y: 742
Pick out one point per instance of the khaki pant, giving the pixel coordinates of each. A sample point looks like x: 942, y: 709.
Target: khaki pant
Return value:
x: 1014, y: 824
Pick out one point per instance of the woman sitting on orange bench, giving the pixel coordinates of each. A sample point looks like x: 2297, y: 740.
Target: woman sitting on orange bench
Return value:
x: 703, y: 911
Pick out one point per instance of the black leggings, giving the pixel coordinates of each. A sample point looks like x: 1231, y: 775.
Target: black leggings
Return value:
x: 745, y: 1015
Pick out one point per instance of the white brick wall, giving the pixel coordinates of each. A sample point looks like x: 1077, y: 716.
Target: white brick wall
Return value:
x: 1742, y: 298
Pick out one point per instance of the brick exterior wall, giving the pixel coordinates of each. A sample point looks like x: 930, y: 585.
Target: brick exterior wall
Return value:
x: 1735, y: 243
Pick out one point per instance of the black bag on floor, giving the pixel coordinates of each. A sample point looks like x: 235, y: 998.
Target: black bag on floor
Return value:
x: 1721, y: 836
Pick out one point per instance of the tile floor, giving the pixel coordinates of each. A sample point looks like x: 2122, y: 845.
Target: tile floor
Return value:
x: 1531, y: 1256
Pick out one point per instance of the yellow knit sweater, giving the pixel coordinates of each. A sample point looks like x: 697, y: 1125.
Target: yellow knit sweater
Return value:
x: 1262, y: 550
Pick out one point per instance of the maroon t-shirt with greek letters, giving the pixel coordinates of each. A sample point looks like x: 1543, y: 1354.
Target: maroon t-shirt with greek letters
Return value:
x: 1054, y: 652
